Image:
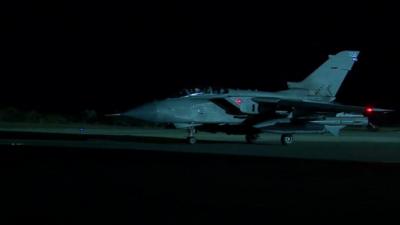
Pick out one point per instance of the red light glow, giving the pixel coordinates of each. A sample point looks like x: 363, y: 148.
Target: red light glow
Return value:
x: 238, y: 101
x: 369, y: 109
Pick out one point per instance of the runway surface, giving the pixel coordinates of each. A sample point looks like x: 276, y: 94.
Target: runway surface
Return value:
x: 151, y: 176
x: 364, y: 146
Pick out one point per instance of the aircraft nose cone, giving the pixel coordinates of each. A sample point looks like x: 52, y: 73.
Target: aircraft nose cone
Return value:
x: 146, y: 112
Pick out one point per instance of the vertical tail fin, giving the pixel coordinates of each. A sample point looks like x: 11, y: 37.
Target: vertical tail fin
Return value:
x: 327, y: 79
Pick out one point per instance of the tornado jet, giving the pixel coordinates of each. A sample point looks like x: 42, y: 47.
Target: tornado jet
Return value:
x: 305, y: 107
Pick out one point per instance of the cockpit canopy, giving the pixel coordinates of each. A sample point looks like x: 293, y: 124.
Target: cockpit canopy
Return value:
x: 200, y: 91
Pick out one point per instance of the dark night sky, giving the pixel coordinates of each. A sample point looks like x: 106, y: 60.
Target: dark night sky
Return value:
x: 109, y: 55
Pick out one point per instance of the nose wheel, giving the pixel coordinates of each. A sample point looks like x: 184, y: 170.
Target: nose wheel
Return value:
x: 191, y: 139
x: 287, y: 139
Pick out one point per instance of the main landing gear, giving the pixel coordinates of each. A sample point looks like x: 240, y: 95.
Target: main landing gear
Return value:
x: 287, y: 139
x: 372, y: 127
x: 191, y: 139
x: 251, y: 138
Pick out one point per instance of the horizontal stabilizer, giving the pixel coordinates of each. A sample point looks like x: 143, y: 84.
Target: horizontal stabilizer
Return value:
x: 319, y: 106
x: 113, y: 115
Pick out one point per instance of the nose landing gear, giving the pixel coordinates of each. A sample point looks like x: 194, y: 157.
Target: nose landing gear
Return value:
x: 191, y: 139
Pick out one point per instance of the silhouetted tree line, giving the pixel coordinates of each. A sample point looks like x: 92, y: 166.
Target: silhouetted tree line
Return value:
x: 89, y: 116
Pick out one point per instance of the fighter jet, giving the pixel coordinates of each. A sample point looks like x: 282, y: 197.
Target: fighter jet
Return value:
x: 305, y: 107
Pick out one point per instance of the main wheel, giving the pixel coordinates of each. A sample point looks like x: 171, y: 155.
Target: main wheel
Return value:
x: 191, y: 140
x: 287, y: 139
x: 251, y: 138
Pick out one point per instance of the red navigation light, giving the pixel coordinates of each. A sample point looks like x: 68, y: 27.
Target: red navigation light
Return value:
x: 238, y: 101
x: 369, y: 110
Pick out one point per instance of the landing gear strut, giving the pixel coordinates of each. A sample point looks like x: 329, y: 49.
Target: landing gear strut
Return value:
x: 251, y: 138
x: 372, y: 127
x: 287, y: 139
x: 191, y: 139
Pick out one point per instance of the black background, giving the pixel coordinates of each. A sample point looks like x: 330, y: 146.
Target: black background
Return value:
x: 65, y: 56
